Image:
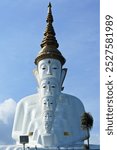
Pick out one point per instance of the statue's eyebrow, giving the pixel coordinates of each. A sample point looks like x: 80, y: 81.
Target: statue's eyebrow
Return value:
x: 44, y: 63
x: 43, y: 83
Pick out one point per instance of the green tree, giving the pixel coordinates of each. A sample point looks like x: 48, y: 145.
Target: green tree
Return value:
x: 87, y: 124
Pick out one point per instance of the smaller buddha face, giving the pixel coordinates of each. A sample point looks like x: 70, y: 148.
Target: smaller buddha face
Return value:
x: 48, y: 120
x: 49, y: 87
x: 49, y: 68
x: 48, y: 116
x: 48, y: 103
x: 48, y: 127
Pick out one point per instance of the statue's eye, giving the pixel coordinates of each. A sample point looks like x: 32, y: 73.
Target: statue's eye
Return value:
x: 44, y: 103
x: 43, y: 68
x: 44, y: 86
x: 54, y: 68
x: 53, y: 86
x: 51, y: 103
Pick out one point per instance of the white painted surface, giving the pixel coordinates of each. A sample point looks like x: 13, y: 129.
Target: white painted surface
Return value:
x: 50, y: 117
x: 66, y: 119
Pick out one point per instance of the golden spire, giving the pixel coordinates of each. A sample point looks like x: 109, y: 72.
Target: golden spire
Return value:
x: 49, y: 35
x: 49, y: 43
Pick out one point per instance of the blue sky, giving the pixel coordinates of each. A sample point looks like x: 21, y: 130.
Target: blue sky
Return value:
x: 22, y: 24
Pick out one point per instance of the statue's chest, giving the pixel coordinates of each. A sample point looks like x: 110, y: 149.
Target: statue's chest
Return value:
x: 33, y: 111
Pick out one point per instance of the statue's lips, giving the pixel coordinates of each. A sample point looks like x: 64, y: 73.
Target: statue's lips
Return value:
x: 50, y: 96
x: 50, y: 109
x: 50, y: 77
x: 48, y: 121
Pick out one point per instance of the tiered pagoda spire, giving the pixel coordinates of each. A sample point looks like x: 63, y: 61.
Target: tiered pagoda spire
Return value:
x: 49, y: 35
x: 49, y: 43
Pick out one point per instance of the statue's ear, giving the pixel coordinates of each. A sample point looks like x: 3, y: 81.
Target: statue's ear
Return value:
x: 36, y: 74
x: 63, y: 75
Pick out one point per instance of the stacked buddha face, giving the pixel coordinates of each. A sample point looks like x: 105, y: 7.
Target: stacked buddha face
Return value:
x: 50, y: 78
x: 49, y: 73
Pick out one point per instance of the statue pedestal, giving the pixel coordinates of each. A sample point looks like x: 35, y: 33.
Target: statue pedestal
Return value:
x: 48, y: 140
x: 20, y: 147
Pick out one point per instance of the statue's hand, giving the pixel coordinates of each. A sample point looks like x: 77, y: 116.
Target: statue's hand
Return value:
x: 35, y: 135
x: 33, y: 127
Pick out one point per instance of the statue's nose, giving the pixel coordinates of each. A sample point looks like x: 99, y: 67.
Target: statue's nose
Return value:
x: 49, y: 71
x: 47, y: 117
x: 49, y: 89
x: 48, y: 104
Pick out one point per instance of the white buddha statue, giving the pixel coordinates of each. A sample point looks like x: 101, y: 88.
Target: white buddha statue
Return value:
x: 49, y: 117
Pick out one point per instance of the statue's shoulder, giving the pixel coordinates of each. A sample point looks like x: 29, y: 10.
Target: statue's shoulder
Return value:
x: 72, y: 102
x: 71, y: 98
x: 30, y: 99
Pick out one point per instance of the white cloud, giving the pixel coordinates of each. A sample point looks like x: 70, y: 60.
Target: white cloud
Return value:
x: 95, y: 139
x: 7, y: 110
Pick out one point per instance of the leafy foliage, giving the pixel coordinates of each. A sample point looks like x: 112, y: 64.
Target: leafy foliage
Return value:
x: 86, y: 121
x: 87, y: 124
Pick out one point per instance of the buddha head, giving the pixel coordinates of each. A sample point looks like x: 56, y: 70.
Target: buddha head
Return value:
x: 49, y: 103
x: 49, y: 93
x: 49, y: 87
x: 49, y: 60
x: 50, y: 68
x: 48, y: 117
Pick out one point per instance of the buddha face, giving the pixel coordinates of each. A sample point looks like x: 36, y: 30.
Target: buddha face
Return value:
x: 48, y: 103
x: 48, y: 116
x: 48, y: 127
x: 48, y: 120
x: 49, y: 87
x: 49, y: 68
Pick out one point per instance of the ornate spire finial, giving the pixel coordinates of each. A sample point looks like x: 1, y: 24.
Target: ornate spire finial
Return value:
x: 49, y: 17
x: 49, y: 35
x: 49, y: 43
x: 49, y: 4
